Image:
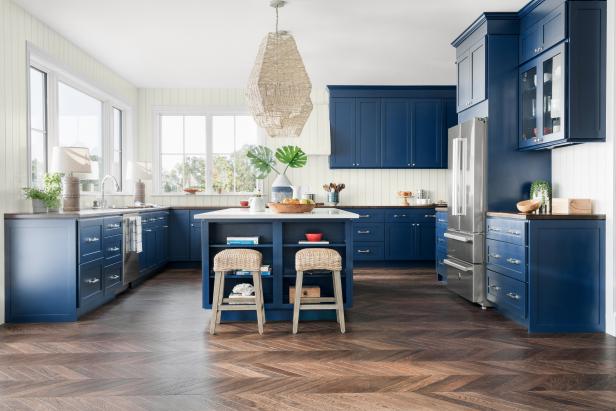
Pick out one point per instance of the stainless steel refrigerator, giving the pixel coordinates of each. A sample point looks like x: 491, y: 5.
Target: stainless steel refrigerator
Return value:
x: 466, y: 210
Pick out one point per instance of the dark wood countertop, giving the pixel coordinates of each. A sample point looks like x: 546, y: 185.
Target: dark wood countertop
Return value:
x: 532, y: 216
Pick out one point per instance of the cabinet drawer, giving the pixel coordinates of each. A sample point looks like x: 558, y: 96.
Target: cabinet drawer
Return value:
x: 112, y: 248
x: 90, y: 282
x: 507, y: 294
x: 112, y: 226
x: 368, y: 215
x: 112, y: 277
x: 441, y: 241
x: 368, y: 232
x: 508, y: 259
x: 410, y: 214
x: 502, y: 229
x: 541, y: 29
x: 90, y: 240
x: 368, y: 251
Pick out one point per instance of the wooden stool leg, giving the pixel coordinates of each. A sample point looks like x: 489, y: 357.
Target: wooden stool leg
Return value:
x: 221, y: 295
x: 215, y: 292
x: 298, y: 300
x: 336, y: 296
x: 339, y: 300
x: 262, y: 298
x: 258, y: 299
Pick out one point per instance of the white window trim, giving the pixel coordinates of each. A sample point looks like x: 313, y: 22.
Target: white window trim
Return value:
x: 57, y: 71
x: 158, y: 111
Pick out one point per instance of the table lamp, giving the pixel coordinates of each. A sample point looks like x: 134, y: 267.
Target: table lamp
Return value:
x: 69, y: 160
x: 137, y: 171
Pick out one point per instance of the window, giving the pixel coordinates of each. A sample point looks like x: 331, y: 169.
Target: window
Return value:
x: 66, y: 110
x: 117, y: 143
x: 38, y: 126
x: 206, y: 151
x: 80, y: 125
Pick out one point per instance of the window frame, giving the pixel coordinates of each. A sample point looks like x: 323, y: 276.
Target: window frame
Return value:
x: 57, y: 72
x: 45, y: 132
x: 208, y: 112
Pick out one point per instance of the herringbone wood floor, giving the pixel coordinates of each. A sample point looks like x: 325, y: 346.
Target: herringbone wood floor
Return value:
x: 410, y: 345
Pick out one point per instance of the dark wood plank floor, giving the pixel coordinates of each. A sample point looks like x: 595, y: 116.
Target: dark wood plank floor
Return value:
x: 410, y: 345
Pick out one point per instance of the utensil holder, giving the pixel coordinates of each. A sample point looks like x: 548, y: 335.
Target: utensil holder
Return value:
x: 333, y: 197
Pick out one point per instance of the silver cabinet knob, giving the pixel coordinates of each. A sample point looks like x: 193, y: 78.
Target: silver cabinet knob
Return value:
x: 114, y: 277
x: 112, y: 249
x: 497, y: 256
x: 92, y: 280
x: 92, y: 239
x: 513, y: 296
x: 514, y: 261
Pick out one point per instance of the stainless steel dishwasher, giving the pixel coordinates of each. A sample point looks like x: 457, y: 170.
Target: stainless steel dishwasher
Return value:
x: 132, y: 229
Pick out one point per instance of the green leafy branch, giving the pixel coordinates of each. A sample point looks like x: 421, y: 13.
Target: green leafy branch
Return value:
x: 263, y: 159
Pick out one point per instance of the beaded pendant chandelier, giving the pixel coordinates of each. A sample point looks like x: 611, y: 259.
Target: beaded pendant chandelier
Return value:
x: 278, y: 91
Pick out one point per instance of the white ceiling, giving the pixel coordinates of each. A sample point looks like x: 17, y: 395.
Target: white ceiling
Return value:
x: 207, y: 43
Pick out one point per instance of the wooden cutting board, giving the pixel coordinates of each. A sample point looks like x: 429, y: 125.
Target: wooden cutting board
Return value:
x: 571, y: 206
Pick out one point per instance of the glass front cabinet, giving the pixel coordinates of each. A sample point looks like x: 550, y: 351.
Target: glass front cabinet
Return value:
x: 542, y: 99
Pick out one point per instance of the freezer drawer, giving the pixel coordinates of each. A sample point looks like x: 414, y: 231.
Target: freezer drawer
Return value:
x: 466, y: 280
x: 465, y: 247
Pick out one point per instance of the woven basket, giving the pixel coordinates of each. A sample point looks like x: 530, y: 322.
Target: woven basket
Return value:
x: 291, y: 208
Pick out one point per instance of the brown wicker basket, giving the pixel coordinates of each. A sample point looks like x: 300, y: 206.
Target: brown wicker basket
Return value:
x: 291, y: 208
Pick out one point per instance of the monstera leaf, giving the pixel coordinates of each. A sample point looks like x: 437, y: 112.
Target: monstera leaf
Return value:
x: 262, y: 161
x: 292, y: 156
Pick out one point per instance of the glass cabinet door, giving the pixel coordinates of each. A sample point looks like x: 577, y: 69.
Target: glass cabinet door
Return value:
x: 553, y: 97
x: 528, y: 106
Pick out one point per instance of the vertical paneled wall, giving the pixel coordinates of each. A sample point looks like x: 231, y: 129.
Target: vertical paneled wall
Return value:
x: 16, y: 28
x: 587, y: 171
x: 364, y: 187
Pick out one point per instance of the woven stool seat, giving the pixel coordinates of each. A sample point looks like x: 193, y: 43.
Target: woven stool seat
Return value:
x: 238, y: 259
x: 318, y: 259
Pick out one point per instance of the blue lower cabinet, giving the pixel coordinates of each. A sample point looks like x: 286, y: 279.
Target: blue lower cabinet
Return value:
x: 112, y: 278
x: 554, y: 281
x: 366, y: 251
x: 179, y: 231
x: 195, y: 237
x: 90, y: 280
x: 440, y: 245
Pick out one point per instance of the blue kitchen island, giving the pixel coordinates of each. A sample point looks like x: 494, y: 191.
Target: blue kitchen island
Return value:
x: 279, y: 236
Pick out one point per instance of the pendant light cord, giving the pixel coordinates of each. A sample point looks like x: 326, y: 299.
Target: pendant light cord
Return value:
x: 277, y: 19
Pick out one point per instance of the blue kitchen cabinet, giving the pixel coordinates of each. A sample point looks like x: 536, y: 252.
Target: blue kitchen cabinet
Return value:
x: 441, y: 245
x: 548, y: 274
x: 400, y: 240
x: 425, y: 237
x: 390, y: 127
x: 342, y: 114
x: 562, y: 74
x: 471, y: 72
x: 179, y: 232
x: 195, y: 236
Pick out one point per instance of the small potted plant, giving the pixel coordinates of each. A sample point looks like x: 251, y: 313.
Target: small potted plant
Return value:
x: 48, y: 198
x: 263, y: 162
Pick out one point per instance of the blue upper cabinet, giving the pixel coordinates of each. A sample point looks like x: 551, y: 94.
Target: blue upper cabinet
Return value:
x: 562, y: 73
x: 471, y: 67
x: 390, y: 127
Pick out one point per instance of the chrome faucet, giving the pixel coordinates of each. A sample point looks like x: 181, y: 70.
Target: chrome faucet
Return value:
x: 117, y: 188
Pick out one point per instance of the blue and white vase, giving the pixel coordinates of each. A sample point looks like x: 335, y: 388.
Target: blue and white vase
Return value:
x: 281, y: 189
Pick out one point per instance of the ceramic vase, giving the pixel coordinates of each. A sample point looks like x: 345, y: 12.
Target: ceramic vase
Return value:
x: 281, y: 188
x: 38, y: 206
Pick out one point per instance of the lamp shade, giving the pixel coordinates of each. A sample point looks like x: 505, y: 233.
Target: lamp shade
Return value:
x: 70, y: 160
x: 139, y: 170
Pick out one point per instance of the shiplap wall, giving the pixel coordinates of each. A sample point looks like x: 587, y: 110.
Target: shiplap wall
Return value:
x: 587, y: 171
x: 364, y: 187
x: 16, y: 28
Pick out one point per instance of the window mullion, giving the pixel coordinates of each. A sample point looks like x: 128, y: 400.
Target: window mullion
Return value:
x: 209, y: 157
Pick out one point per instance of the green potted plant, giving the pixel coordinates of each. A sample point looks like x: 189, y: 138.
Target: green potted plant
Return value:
x: 48, y: 198
x: 263, y: 162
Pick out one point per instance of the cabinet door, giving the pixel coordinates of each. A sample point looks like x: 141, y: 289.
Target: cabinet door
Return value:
x: 530, y: 42
x: 529, y: 98
x: 399, y: 241
x: 553, y: 95
x: 425, y: 237
x: 368, y: 133
x: 396, y: 133
x: 179, y: 230
x: 478, y: 81
x: 195, y: 241
x: 342, y: 129
x: 427, y: 139
x: 465, y: 85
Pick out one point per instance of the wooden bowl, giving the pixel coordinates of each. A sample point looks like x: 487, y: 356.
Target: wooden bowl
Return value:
x: 291, y: 208
x: 528, y: 206
x: 191, y: 190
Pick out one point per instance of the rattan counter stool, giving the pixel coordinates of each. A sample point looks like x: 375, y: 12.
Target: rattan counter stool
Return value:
x: 232, y: 260
x: 323, y: 259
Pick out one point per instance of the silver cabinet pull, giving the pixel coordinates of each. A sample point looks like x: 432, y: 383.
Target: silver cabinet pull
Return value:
x: 113, y: 226
x: 460, y: 238
x: 440, y: 220
x: 92, y: 280
x: 364, y: 216
x: 114, y: 277
x: 363, y: 251
x: 430, y: 216
x: 112, y: 249
x: 363, y: 231
x: 513, y: 296
x: 513, y: 232
x: 399, y: 215
x: 494, y: 229
x: 513, y: 261
x: 165, y: 226
x: 92, y: 239
x: 148, y: 230
x: 495, y: 288
x: 453, y: 264
x: 497, y: 256
x: 161, y: 218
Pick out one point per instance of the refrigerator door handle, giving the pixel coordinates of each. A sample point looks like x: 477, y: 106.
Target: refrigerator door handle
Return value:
x: 460, y: 267
x: 460, y: 238
x: 459, y: 171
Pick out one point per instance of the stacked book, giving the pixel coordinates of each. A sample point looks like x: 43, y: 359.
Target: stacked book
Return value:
x: 242, y: 240
x: 312, y: 242
x: 265, y: 271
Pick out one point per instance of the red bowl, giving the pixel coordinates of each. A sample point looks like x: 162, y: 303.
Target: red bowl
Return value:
x: 314, y: 236
x: 244, y: 203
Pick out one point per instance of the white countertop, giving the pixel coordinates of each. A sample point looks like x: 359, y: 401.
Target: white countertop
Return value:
x: 268, y: 214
